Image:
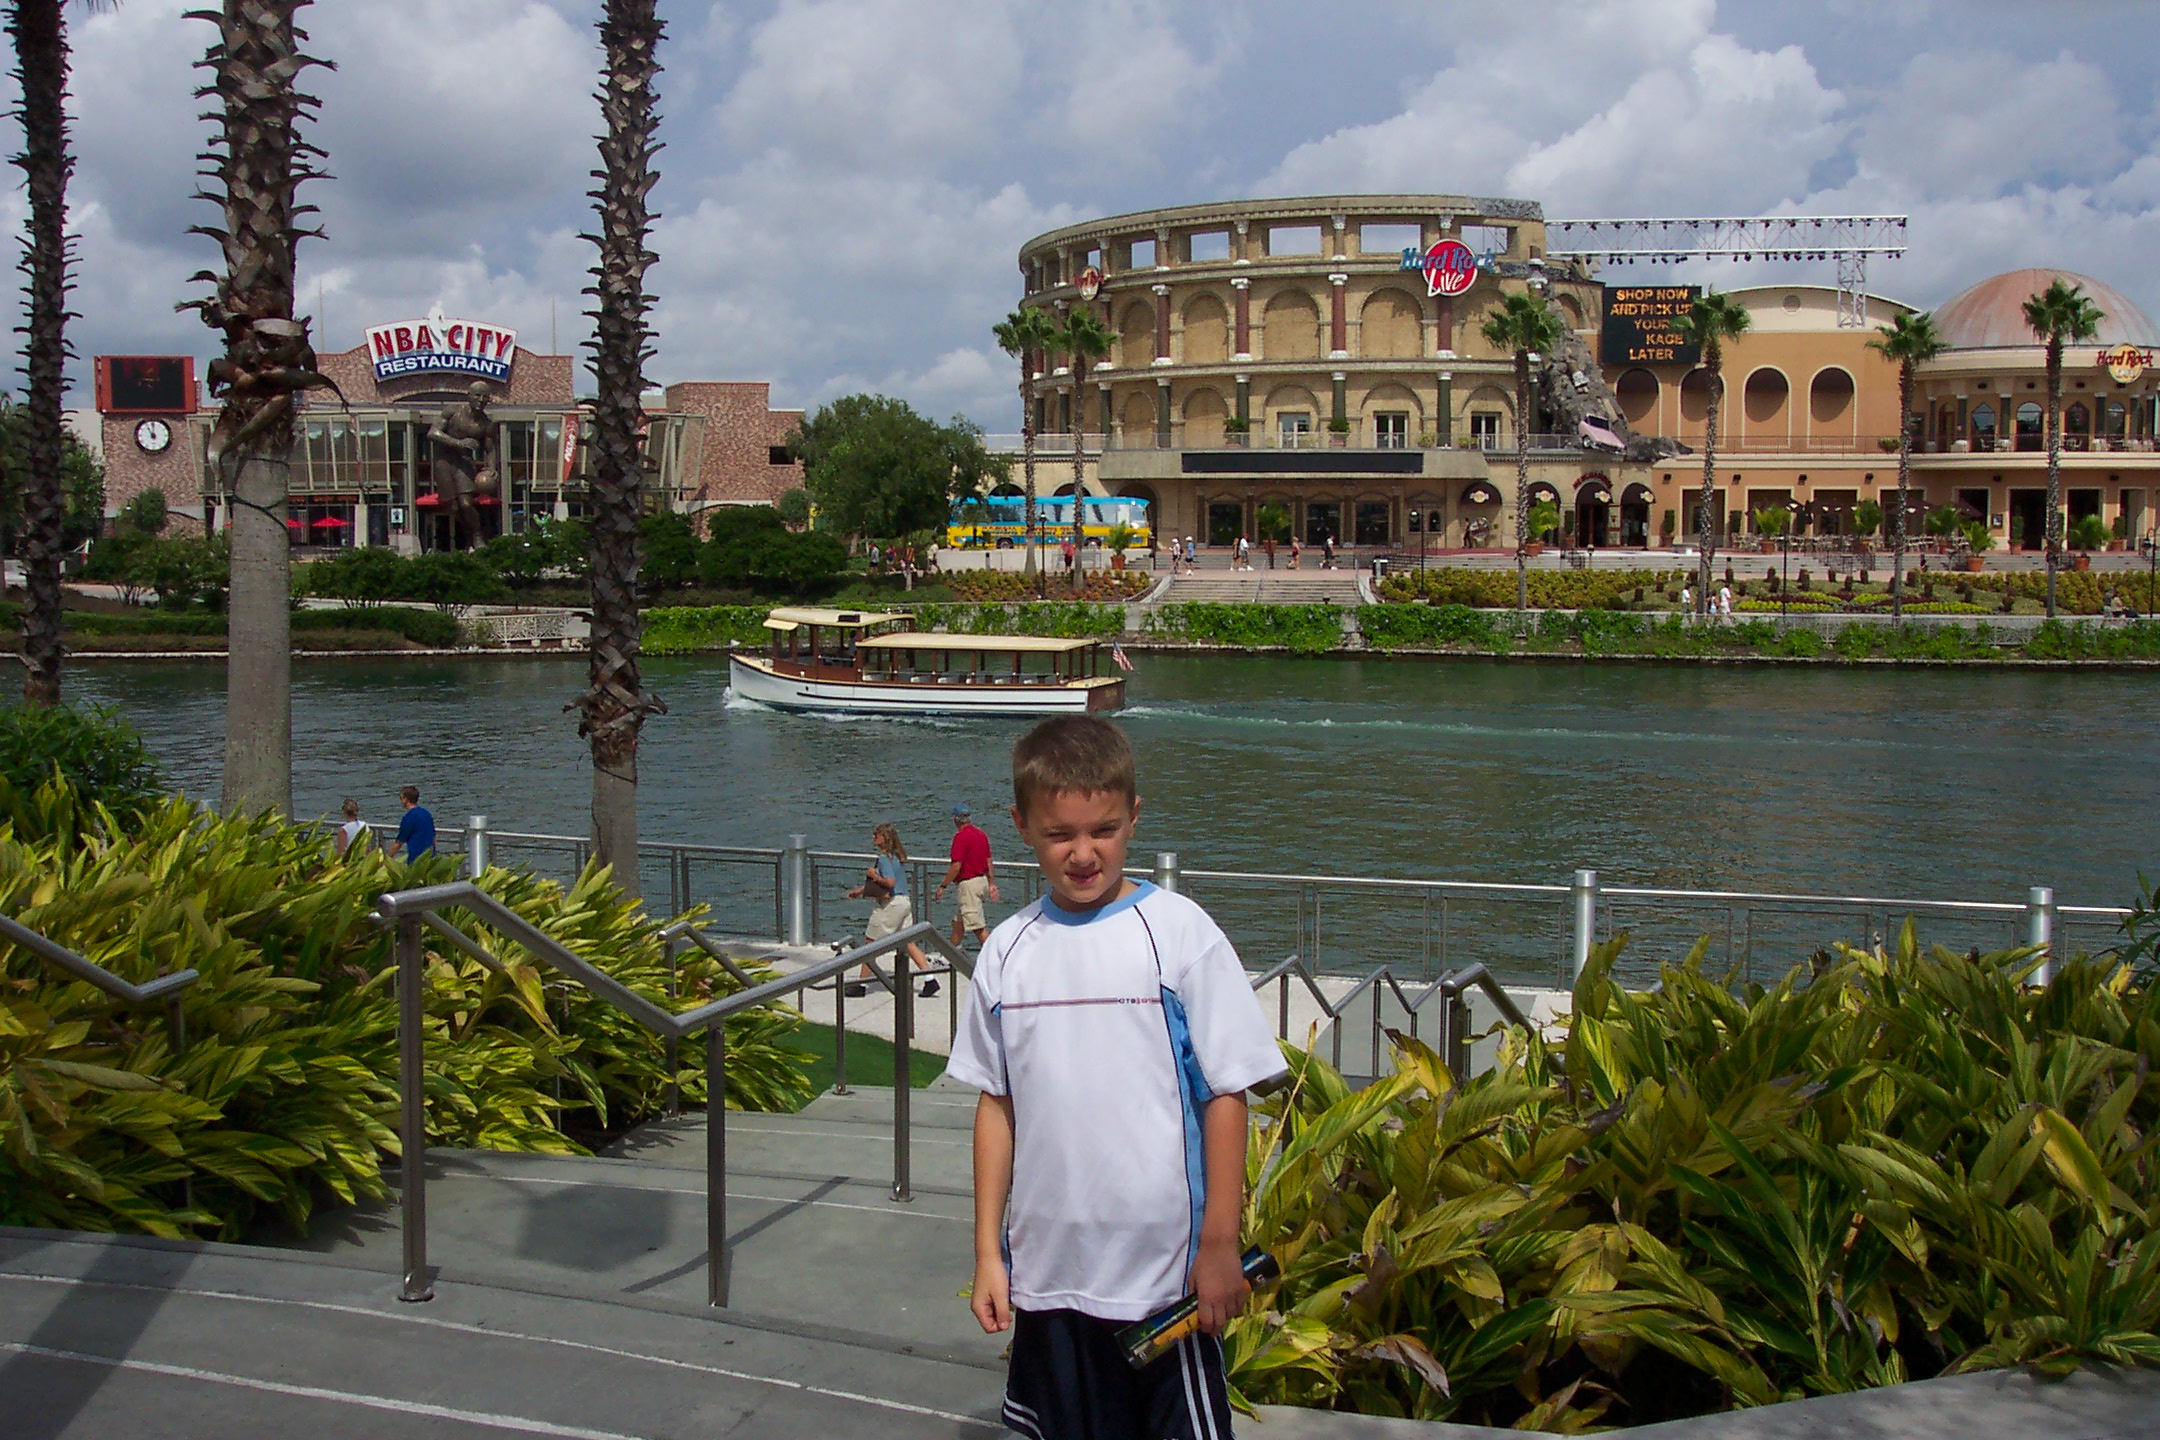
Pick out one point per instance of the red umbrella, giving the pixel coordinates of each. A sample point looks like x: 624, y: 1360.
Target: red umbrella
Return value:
x: 330, y: 522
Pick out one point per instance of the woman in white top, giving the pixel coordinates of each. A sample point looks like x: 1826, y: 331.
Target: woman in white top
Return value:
x: 353, y: 828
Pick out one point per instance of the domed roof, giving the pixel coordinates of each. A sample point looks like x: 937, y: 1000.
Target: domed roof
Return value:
x: 1991, y: 314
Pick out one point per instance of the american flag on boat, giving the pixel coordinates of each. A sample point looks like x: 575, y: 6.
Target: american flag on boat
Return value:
x: 1118, y: 657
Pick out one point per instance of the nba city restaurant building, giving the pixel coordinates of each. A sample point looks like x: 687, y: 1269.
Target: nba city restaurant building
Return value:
x: 361, y: 471
x: 1317, y: 367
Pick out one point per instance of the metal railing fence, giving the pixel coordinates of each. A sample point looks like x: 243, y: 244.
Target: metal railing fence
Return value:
x: 1350, y: 924
x: 408, y: 912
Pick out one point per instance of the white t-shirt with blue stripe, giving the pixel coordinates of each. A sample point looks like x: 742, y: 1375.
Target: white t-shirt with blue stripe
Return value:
x: 1109, y: 1030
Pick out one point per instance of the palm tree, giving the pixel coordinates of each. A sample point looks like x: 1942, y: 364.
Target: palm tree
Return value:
x: 613, y: 708
x: 1523, y: 325
x: 41, y: 65
x: 1025, y: 335
x: 1908, y: 341
x: 2058, y: 314
x: 1712, y: 319
x: 258, y: 162
x: 1084, y: 339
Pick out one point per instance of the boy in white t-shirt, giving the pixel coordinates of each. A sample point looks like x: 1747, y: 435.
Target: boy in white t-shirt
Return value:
x: 1113, y: 1034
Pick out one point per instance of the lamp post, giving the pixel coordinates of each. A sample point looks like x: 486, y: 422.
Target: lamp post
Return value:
x: 1419, y: 529
x: 1784, y: 589
x: 2151, y: 546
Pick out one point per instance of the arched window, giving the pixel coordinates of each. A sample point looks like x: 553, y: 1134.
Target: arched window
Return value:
x: 1136, y: 417
x: 1292, y: 323
x: 1764, y: 397
x: 1204, y: 416
x: 1830, y: 396
x: 1136, y: 336
x: 2029, y: 429
x: 1390, y: 327
x: 1983, y: 426
x: 1638, y: 395
x: 1207, y: 332
x: 1695, y: 397
x: 2077, y: 426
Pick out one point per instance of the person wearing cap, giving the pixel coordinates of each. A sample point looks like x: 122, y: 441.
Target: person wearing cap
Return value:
x: 970, y: 874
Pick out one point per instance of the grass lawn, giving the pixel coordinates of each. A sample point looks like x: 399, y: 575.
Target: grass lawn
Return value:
x: 869, y: 1059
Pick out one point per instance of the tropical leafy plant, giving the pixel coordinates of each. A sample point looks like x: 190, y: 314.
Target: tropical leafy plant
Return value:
x: 1303, y: 629
x: 1887, y: 1165
x: 2089, y: 532
x: 284, y: 1095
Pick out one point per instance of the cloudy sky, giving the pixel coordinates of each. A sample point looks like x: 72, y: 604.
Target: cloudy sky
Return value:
x: 846, y: 182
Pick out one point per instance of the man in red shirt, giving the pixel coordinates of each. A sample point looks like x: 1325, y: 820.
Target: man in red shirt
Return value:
x: 970, y: 874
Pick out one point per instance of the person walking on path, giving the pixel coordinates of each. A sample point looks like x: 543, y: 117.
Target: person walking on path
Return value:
x: 1117, y: 1018
x: 885, y: 886
x: 416, y: 828
x: 971, y: 874
x: 1296, y: 550
x: 352, y: 830
x: 1270, y: 552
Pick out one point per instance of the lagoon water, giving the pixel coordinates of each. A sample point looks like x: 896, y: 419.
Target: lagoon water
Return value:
x: 1921, y: 783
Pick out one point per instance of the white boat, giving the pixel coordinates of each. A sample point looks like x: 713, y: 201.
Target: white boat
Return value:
x: 861, y: 662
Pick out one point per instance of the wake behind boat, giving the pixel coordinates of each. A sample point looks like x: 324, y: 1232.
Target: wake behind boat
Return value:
x: 862, y: 662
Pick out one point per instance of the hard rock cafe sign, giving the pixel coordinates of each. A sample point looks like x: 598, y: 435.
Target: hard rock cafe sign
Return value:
x: 2125, y: 363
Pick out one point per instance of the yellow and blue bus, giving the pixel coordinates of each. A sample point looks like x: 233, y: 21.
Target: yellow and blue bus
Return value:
x: 1000, y: 522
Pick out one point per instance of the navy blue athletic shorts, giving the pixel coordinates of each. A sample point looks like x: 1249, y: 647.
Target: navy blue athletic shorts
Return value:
x: 1070, y: 1381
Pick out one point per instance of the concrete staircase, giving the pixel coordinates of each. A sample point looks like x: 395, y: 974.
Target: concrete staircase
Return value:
x: 1308, y: 586
x: 570, y: 1302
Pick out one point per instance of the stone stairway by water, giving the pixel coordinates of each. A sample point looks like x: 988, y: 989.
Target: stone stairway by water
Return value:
x: 1266, y: 587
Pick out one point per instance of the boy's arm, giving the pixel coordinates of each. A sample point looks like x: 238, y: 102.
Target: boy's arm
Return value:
x: 1217, y: 1277
x: 992, y: 1302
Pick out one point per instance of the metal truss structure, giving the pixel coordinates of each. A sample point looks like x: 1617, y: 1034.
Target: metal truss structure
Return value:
x: 1847, y: 239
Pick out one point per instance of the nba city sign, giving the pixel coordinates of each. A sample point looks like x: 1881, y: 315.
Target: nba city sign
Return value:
x: 1448, y: 266
x: 436, y: 346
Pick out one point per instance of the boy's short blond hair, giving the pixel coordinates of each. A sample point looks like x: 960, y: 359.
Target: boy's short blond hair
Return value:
x: 1073, y: 752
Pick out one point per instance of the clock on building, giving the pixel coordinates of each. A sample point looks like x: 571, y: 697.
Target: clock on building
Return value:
x: 153, y: 436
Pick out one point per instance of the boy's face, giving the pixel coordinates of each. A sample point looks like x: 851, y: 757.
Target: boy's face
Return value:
x: 1079, y: 839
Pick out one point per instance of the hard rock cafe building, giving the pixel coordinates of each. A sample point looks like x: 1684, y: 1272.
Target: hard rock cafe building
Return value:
x: 1316, y: 367
x: 361, y: 471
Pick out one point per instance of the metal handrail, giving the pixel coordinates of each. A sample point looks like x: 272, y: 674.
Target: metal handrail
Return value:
x: 407, y: 911
x: 90, y: 972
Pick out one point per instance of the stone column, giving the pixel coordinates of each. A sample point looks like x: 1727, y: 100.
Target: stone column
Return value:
x: 1342, y: 382
x: 1240, y: 242
x: 1162, y: 413
x: 1162, y: 250
x: 1244, y: 401
x: 1338, y: 316
x: 1963, y: 431
x: 1162, y: 323
x: 1106, y: 411
x: 1444, y: 416
x: 1341, y: 230
x: 1444, y: 322
x: 1242, y: 300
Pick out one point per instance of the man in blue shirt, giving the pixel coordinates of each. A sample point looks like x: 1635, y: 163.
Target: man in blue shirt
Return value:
x: 416, y: 831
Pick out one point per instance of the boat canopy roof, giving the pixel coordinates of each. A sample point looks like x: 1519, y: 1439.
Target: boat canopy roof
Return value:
x: 787, y: 617
x: 1001, y: 644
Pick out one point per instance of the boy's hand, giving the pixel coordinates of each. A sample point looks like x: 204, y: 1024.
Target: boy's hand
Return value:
x: 992, y: 1301
x: 1218, y: 1279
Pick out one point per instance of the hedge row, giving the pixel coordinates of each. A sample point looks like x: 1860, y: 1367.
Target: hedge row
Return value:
x: 423, y: 627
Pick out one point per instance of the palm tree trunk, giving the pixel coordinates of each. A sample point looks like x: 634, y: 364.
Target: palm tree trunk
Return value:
x: 1705, y: 523
x: 1079, y: 535
x: 2054, y: 424
x: 1027, y: 464
x: 259, y: 162
x: 613, y: 708
x: 1904, y: 478
x: 41, y: 55
x: 1522, y: 482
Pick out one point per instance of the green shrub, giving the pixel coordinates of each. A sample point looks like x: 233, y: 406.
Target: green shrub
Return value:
x: 1887, y: 1165
x: 1304, y: 629
x: 1549, y: 589
x: 686, y: 629
x: 96, y: 757
x: 1061, y: 619
x: 285, y: 1096
x: 2060, y: 640
x: 432, y: 628
x: 1391, y: 627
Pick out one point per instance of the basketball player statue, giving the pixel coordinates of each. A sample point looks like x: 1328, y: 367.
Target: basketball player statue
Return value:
x: 467, y: 462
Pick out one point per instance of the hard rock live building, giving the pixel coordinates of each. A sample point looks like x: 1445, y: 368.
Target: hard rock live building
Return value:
x: 1316, y: 367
